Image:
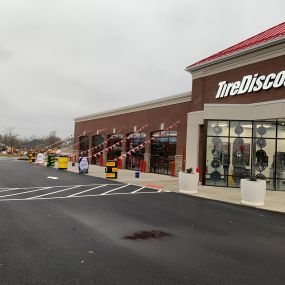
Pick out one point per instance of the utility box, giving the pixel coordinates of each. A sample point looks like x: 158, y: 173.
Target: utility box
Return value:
x: 111, y: 169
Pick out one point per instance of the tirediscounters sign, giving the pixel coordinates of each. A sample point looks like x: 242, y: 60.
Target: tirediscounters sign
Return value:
x: 251, y: 83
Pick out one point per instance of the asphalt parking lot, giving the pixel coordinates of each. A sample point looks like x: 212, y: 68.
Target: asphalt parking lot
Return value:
x: 64, y: 228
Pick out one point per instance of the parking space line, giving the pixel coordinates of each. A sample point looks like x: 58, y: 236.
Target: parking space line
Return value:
x: 88, y: 190
x: 14, y: 189
x: 82, y: 196
x: 138, y: 190
x: 10, y: 189
x: 15, y: 194
x: 54, y: 192
x: 106, y: 193
x: 33, y: 187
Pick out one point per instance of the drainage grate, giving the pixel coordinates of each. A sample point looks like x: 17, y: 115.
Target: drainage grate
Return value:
x: 147, y: 235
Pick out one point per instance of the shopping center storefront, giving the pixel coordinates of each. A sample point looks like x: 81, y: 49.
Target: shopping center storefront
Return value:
x: 149, y: 136
x: 163, y: 150
x: 135, y: 160
x: 238, y: 113
x: 239, y: 149
x: 230, y: 126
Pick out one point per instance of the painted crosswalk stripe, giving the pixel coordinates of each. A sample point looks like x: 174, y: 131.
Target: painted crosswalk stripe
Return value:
x: 87, y: 190
x: 54, y: 192
x: 112, y: 190
x: 15, y: 194
x: 138, y: 190
x: 11, y: 189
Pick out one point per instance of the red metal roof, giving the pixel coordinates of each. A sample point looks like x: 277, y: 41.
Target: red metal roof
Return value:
x: 266, y: 36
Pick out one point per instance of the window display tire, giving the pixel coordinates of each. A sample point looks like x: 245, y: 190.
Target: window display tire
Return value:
x: 216, y: 153
x: 215, y: 175
x: 260, y: 176
x: 215, y: 163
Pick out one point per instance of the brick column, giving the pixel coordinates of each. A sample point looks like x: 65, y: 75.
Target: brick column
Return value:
x: 123, y: 160
x: 147, y: 154
x: 178, y: 161
x: 105, y: 154
x: 124, y: 147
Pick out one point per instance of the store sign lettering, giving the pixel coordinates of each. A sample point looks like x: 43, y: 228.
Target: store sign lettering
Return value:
x: 251, y: 83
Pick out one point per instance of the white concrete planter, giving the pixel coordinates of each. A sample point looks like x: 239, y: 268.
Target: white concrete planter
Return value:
x: 188, y: 182
x: 252, y: 192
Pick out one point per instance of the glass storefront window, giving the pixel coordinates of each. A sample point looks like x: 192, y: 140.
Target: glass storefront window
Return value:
x: 240, y: 160
x: 263, y: 155
x: 83, y: 144
x: 115, y: 152
x: 264, y: 129
x: 281, y: 130
x: 241, y: 129
x: 279, y: 165
x: 163, y: 150
x: 218, y: 128
x: 97, y: 146
x: 240, y: 149
x: 135, y: 159
x: 217, y: 161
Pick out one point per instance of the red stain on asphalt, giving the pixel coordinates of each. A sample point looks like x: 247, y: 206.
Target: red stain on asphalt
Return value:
x: 154, y: 186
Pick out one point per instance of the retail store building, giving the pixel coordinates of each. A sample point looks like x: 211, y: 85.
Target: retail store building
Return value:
x: 232, y: 124
x: 150, y: 134
x: 236, y: 127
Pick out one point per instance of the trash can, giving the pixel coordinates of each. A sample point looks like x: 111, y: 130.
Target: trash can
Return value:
x: 51, y: 160
x: 111, y: 169
x: 137, y: 174
x: 63, y: 162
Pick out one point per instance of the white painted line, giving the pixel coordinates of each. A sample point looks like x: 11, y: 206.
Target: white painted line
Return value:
x: 154, y: 188
x: 127, y: 193
x: 95, y: 195
x: 13, y: 189
x: 52, y: 177
x: 25, y: 192
x: 138, y: 190
x: 106, y: 193
x: 88, y: 190
x: 10, y: 189
x: 54, y: 192
x: 6, y: 189
x: 83, y: 196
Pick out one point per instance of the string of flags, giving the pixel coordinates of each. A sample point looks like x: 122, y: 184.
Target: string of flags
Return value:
x: 64, y: 149
x: 135, y: 149
x: 139, y: 147
x: 105, y: 141
x: 59, y: 141
x: 75, y: 144
x: 99, y: 153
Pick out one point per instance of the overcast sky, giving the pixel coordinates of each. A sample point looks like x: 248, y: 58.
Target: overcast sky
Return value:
x: 64, y: 58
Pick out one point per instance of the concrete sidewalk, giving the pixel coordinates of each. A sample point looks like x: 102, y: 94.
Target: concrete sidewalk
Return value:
x: 274, y: 200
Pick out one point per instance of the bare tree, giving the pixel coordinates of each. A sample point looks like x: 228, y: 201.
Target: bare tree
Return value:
x: 52, y: 138
x: 10, y: 138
